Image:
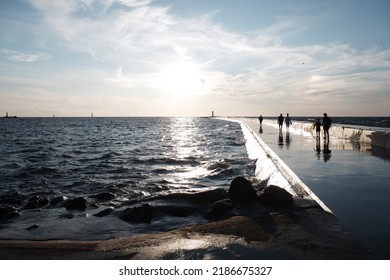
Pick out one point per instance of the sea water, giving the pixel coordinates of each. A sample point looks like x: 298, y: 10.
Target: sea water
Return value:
x: 132, y: 159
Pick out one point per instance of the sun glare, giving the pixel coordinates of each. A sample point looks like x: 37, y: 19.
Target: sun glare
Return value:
x: 182, y: 78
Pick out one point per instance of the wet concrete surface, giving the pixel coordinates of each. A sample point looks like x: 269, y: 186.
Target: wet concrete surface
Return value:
x: 352, y: 179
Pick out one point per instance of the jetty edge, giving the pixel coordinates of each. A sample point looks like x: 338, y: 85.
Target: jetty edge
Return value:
x: 302, y: 230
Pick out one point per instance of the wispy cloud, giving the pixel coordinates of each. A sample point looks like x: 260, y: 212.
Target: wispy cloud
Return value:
x: 23, y: 57
x: 134, y: 39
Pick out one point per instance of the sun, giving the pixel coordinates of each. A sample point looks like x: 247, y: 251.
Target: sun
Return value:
x: 182, y: 77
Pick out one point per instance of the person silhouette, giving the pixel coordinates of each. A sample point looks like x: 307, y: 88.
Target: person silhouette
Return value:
x: 317, y: 127
x: 280, y: 121
x: 288, y: 121
x: 326, y: 123
x: 261, y: 120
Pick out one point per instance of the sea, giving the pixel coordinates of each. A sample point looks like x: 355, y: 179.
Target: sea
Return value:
x: 117, y: 164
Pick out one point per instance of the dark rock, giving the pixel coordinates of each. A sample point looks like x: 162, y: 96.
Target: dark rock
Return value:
x: 36, y: 202
x: 176, y: 211
x: 79, y: 203
x: 58, y: 199
x: 205, y: 197
x: 241, y: 191
x: 33, y: 227
x: 14, y: 199
x: 7, y: 211
x: 140, y: 214
x: 274, y: 195
x: 104, y: 212
x: 105, y: 196
x: 220, y: 209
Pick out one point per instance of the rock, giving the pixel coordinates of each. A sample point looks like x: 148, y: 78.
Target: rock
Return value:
x: 14, y: 199
x: 220, y: 209
x: 274, y: 195
x: 205, y: 197
x: 33, y: 227
x: 104, y: 196
x: 58, y: 199
x: 241, y: 191
x: 79, y: 203
x: 140, y: 214
x: 104, y: 212
x: 7, y: 211
x: 36, y: 202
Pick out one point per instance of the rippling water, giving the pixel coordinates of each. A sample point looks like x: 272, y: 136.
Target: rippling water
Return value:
x: 132, y: 159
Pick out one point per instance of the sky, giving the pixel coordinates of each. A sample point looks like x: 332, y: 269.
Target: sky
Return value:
x: 189, y: 58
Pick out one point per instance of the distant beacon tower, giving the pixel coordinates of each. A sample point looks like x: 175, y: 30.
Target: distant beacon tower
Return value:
x: 212, y: 113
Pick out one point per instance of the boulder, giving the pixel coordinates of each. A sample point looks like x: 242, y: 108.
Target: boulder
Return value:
x: 104, y: 212
x: 14, y: 199
x: 241, y: 191
x: 140, y: 214
x: 36, y: 202
x: 58, y: 199
x: 220, y: 209
x: 7, y: 211
x: 79, y: 203
x: 274, y: 195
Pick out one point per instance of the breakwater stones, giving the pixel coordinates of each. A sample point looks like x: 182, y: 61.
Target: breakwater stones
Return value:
x: 239, y: 198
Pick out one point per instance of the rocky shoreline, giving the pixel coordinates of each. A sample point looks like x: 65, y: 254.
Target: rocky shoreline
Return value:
x: 244, y: 223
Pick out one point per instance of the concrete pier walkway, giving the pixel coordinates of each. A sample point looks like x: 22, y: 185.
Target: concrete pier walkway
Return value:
x: 352, y: 179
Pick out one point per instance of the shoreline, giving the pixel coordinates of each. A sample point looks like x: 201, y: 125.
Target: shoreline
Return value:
x: 300, y: 232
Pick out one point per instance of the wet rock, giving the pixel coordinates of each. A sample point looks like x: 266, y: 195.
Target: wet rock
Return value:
x: 205, y: 197
x: 104, y: 196
x: 140, y: 214
x: 35, y: 226
x: 7, y: 212
x: 104, y: 212
x: 274, y: 195
x: 241, y: 191
x: 220, y: 209
x: 14, y: 199
x: 36, y: 202
x: 58, y: 199
x: 79, y: 203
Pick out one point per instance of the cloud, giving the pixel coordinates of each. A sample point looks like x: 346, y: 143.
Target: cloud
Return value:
x: 134, y: 39
x: 23, y: 57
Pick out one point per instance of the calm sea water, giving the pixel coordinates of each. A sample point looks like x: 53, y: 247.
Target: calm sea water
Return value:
x: 132, y: 159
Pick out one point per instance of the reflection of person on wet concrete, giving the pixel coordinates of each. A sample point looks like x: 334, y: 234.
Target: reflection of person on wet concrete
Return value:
x: 280, y: 139
x: 326, y: 123
x: 317, y: 127
x: 318, y: 147
x: 280, y: 121
x: 288, y: 139
x: 326, y: 151
x: 288, y: 121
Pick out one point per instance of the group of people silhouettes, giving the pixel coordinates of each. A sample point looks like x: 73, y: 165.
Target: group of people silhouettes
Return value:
x: 326, y: 124
x: 286, y: 120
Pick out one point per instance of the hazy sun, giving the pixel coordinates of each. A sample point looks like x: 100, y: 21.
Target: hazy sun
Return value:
x: 181, y: 77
